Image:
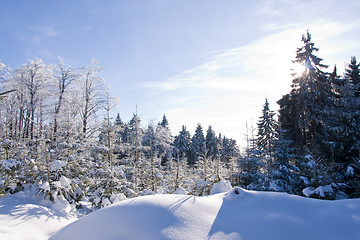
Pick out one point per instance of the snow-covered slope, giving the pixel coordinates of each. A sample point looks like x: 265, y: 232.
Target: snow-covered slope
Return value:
x: 246, y: 215
x: 25, y: 217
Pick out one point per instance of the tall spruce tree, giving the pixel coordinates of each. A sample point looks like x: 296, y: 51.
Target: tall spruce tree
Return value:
x: 182, y: 143
x: 351, y: 165
x: 163, y: 142
x: 352, y: 72
x: 266, y: 136
x: 198, y: 144
x: 212, y: 144
x: 303, y: 112
x: 137, y: 151
x: 304, y: 115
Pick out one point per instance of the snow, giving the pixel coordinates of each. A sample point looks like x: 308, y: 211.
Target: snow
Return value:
x: 25, y: 217
x: 105, y: 202
x: 56, y: 165
x: 349, y: 171
x: 45, y: 186
x: 65, y: 182
x: 321, y: 190
x: 308, y: 191
x: 180, y: 190
x: 8, y: 164
x: 221, y: 186
x: 158, y: 175
x: 236, y: 214
x: 117, y: 197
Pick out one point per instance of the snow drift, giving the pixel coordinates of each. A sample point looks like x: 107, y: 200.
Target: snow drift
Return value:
x: 237, y: 214
x: 26, y: 217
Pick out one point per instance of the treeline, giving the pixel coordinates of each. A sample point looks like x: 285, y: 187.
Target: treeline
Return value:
x: 57, y: 136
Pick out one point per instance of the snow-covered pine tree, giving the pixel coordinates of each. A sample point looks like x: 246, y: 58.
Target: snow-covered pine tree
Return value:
x: 160, y: 139
x: 212, y: 144
x: 229, y: 157
x: 306, y: 99
x: 108, y: 184
x: 154, y: 176
x: 137, y: 154
x: 341, y: 135
x: 285, y: 176
x: 155, y: 141
x: 149, y: 136
x: 304, y: 112
x: 119, y: 126
x: 164, y: 122
x: 351, y: 168
x: 266, y: 135
x: 53, y: 184
x: 182, y: 144
x: 163, y: 142
x: 198, y: 145
x: 352, y: 72
x: 202, y: 175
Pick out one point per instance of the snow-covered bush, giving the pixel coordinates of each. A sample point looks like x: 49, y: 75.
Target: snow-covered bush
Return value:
x: 8, y: 175
x: 57, y: 184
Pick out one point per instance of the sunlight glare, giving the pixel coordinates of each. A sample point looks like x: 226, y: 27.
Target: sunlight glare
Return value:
x: 297, y: 69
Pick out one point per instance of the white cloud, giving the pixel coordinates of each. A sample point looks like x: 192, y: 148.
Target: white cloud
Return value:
x: 229, y: 89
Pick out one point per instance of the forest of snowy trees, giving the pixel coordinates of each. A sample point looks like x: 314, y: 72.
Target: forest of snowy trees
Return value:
x: 58, y: 136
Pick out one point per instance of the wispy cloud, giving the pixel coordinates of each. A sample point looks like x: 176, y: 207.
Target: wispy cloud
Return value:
x: 230, y: 88
x: 277, y: 7
x: 38, y: 34
x: 37, y: 39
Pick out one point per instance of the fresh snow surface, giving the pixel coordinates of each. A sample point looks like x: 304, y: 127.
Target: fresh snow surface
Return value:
x: 237, y: 214
x: 221, y: 186
x: 26, y: 217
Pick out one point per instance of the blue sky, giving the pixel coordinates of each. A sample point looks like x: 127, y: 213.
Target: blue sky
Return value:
x: 198, y: 61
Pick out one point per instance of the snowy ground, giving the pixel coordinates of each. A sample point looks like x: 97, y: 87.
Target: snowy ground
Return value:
x: 25, y: 217
x: 247, y: 215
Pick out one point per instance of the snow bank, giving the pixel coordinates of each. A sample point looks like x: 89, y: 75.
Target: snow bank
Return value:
x: 237, y: 214
x: 25, y: 217
x: 221, y: 186
x: 148, y: 217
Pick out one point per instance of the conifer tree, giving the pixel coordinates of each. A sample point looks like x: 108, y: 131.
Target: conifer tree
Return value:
x: 109, y: 181
x: 352, y: 72
x: 137, y: 151
x: 163, y: 141
x: 198, y: 144
x: 212, y: 144
x: 229, y: 150
x: 303, y: 112
x: 266, y: 135
x: 164, y: 122
x: 182, y: 143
